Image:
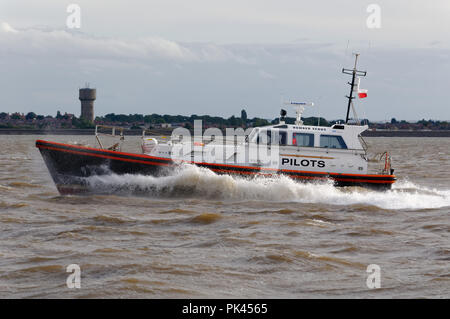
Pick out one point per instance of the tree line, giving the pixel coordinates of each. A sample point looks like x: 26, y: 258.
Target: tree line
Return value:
x: 136, y: 121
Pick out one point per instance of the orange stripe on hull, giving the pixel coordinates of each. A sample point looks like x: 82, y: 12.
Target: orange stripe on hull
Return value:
x: 390, y: 179
x: 104, y: 156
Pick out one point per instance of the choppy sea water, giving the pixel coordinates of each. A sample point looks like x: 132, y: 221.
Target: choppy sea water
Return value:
x: 196, y: 234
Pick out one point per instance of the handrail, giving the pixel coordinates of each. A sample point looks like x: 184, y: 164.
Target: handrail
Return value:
x: 363, y: 142
x: 116, y: 146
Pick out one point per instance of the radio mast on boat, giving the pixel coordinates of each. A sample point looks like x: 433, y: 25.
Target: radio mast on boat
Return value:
x: 353, y: 72
x: 299, y: 108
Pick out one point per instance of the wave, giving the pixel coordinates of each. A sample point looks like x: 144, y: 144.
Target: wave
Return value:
x: 193, y: 181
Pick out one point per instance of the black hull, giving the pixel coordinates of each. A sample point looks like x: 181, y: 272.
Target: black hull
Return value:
x: 70, y: 165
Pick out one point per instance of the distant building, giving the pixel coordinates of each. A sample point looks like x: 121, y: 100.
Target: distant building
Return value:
x: 87, y: 97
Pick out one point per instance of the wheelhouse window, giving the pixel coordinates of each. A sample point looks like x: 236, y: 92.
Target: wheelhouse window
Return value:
x: 272, y: 137
x: 264, y: 137
x: 303, y: 139
x: 282, y: 138
x: 332, y: 141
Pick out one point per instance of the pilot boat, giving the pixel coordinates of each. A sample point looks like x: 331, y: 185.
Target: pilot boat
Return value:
x: 303, y: 152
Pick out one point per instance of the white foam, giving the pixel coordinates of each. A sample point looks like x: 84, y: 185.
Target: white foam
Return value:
x: 190, y: 180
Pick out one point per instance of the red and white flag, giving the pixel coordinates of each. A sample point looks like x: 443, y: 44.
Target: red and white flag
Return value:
x: 362, y: 93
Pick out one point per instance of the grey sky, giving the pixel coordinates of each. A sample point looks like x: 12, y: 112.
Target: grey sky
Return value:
x: 216, y: 57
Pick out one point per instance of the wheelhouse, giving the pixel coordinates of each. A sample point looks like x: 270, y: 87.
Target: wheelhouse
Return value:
x: 338, y: 136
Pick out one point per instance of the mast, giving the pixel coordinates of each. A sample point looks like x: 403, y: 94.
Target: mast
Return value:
x: 354, y: 72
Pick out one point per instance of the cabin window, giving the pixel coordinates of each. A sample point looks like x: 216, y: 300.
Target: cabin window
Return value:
x: 302, y: 139
x: 264, y: 137
x: 332, y: 141
x: 282, y: 137
x: 272, y: 137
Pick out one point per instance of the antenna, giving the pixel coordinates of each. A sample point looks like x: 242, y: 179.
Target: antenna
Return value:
x: 318, y: 114
x: 354, y: 72
x: 300, y: 108
x: 318, y: 119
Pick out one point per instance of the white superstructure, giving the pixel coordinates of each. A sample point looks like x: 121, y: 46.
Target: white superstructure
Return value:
x: 337, y: 149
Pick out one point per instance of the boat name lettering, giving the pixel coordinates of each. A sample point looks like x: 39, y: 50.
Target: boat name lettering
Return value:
x: 305, y: 162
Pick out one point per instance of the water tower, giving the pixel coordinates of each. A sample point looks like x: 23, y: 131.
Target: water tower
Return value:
x: 87, y: 98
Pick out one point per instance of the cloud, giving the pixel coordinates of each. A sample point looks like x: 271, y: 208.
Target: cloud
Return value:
x: 5, y: 27
x: 50, y: 43
x: 45, y: 42
x: 45, y: 66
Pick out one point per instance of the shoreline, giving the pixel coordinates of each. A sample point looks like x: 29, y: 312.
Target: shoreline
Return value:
x: 442, y: 133
x: 73, y: 132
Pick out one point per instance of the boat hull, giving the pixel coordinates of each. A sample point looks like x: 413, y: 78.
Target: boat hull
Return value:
x: 70, y: 165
